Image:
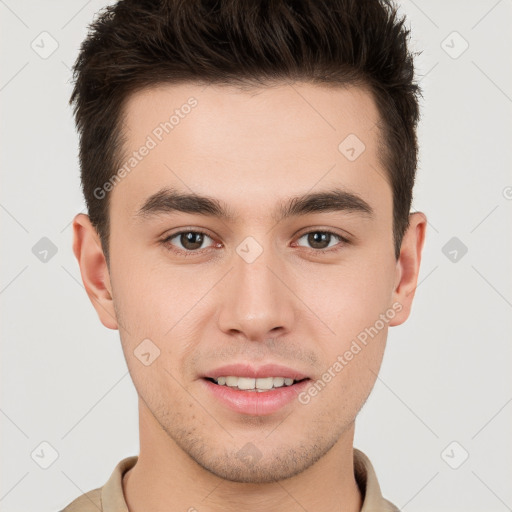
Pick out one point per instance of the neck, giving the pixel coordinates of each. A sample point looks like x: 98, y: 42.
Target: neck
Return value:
x: 167, y: 478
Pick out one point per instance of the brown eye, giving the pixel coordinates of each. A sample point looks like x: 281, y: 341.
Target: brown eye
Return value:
x: 318, y: 240
x: 187, y: 240
x: 191, y: 241
x: 322, y: 240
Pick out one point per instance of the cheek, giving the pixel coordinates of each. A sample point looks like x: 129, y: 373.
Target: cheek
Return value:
x: 150, y: 297
x: 348, y: 298
x: 168, y: 308
x: 351, y: 301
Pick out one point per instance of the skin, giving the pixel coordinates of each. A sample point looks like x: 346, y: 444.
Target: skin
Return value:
x: 252, y: 150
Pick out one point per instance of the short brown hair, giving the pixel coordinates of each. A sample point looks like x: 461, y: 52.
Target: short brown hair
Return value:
x: 139, y: 43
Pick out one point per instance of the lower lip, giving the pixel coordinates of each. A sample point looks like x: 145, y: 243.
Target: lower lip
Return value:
x: 256, y: 403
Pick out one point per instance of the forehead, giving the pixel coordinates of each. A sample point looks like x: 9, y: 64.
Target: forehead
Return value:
x: 249, y: 147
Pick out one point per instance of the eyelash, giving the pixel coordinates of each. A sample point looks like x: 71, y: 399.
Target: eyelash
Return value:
x: 167, y: 242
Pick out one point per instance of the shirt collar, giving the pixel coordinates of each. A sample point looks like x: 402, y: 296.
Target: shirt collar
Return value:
x: 366, y: 479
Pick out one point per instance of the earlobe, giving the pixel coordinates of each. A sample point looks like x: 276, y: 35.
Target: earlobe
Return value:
x: 93, y: 269
x: 408, y: 266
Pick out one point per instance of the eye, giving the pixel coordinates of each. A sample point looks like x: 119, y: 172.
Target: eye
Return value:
x: 192, y: 242
x: 320, y: 240
x: 186, y: 241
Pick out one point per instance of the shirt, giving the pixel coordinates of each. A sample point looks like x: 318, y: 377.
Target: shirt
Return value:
x: 110, y: 497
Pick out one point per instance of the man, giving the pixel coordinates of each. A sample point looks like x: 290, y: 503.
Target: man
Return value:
x: 248, y: 170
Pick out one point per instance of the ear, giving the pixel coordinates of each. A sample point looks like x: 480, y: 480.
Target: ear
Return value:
x: 94, y: 270
x: 408, y: 266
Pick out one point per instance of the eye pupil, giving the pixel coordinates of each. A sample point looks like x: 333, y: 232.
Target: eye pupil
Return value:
x: 191, y: 240
x: 317, y: 238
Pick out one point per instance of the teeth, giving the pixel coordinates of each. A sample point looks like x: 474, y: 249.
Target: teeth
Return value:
x: 249, y: 384
x: 278, y: 382
x: 231, y: 381
x: 246, y: 383
x: 265, y: 383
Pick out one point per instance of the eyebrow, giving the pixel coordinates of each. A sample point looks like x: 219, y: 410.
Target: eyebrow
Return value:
x: 169, y: 200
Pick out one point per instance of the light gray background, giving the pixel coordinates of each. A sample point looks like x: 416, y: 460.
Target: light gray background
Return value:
x: 446, y: 375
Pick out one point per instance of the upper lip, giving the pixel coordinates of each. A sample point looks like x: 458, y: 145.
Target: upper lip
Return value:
x: 248, y: 370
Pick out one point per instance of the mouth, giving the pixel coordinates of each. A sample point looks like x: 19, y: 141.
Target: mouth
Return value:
x: 255, y: 385
x: 252, y: 390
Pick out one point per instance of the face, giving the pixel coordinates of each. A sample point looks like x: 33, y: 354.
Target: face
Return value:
x: 283, y: 256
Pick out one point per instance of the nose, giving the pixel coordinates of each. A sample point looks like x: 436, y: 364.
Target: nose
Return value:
x: 257, y: 302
